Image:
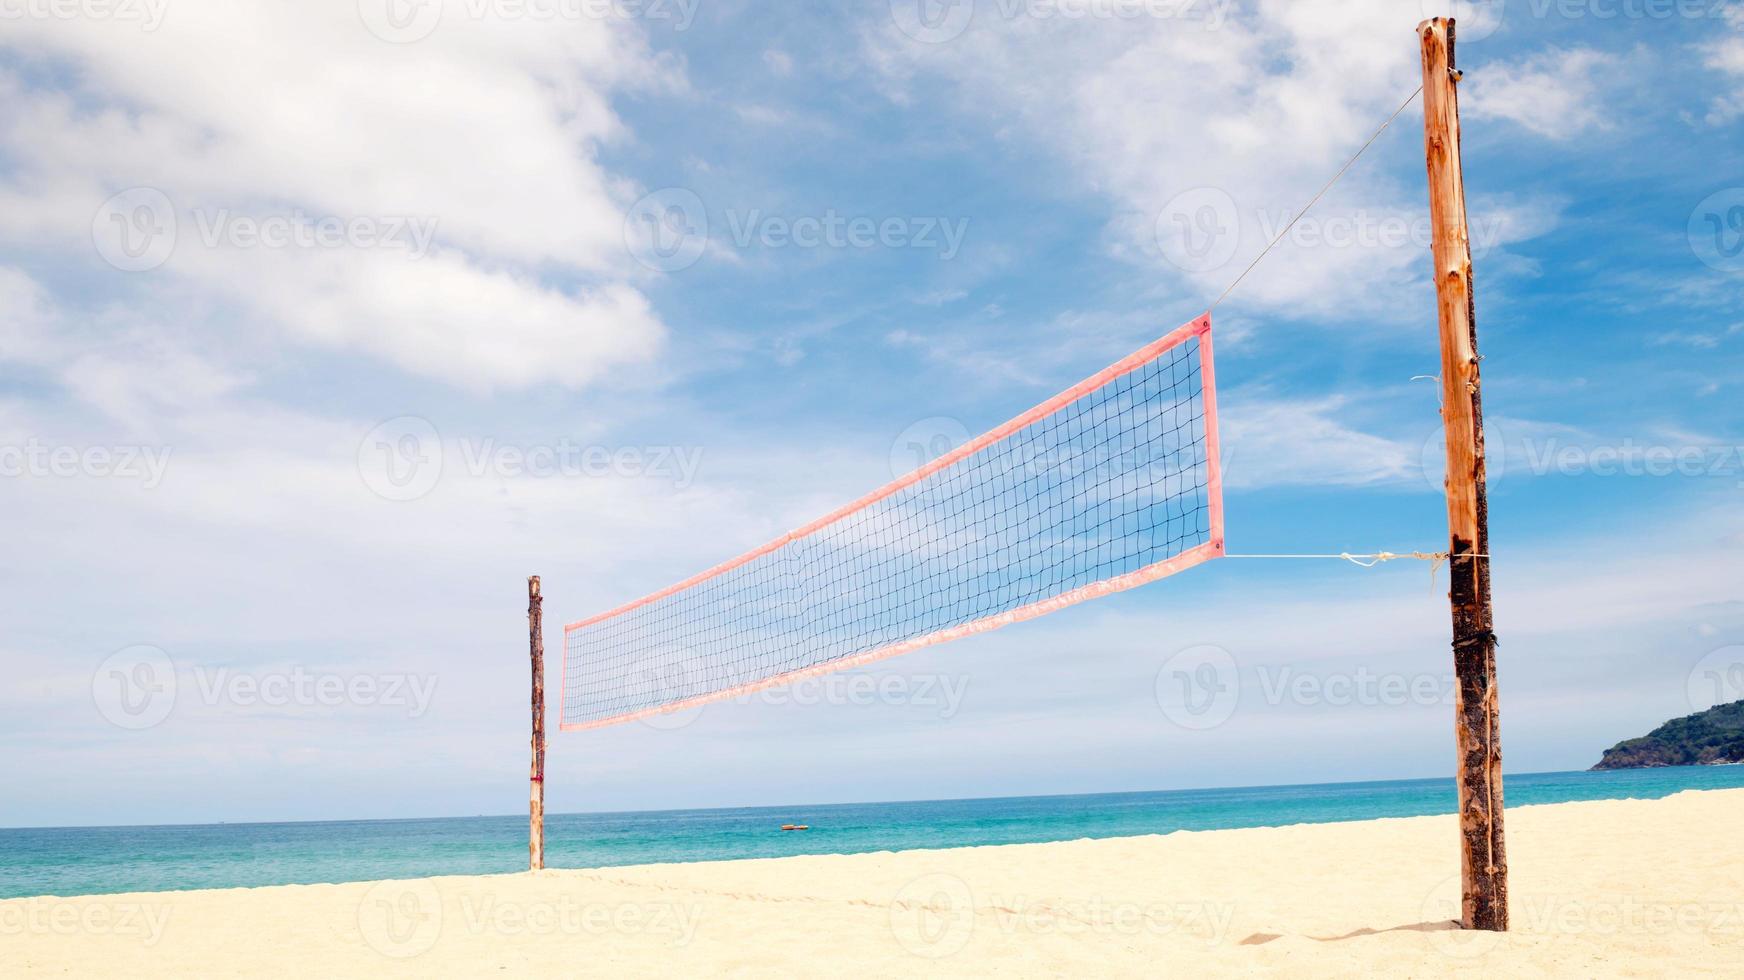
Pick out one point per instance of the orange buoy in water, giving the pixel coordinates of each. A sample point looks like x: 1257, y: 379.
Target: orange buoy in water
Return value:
x: 795, y: 826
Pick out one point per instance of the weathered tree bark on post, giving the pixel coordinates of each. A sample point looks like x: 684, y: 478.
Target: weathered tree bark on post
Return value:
x: 536, y: 802
x: 1483, y: 860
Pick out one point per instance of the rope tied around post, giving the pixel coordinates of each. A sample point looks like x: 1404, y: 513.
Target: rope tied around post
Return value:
x: 1435, y: 559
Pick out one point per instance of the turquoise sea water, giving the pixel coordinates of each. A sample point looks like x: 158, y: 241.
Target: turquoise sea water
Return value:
x: 95, y: 860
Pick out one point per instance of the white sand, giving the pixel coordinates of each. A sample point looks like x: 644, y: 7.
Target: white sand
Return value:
x: 1609, y: 888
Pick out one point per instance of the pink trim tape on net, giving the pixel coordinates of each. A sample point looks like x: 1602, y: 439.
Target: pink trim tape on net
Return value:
x: 1212, y: 548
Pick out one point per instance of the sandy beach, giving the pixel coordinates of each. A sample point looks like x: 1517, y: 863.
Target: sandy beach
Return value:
x: 1620, y: 888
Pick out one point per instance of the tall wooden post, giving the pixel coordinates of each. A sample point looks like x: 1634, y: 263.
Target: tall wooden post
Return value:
x: 1483, y: 860
x: 536, y: 802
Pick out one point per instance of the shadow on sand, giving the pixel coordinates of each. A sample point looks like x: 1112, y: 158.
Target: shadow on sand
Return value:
x: 1440, y: 925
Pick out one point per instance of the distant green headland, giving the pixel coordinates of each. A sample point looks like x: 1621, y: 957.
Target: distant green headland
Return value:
x: 1711, y: 737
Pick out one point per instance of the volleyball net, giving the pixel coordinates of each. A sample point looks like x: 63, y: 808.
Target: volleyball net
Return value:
x: 1113, y: 483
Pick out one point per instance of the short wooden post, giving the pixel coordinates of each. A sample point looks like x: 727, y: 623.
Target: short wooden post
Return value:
x: 536, y: 803
x: 1483, y: 860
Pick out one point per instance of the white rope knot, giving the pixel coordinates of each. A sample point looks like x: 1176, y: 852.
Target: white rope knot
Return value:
x: 1435, y: 558
x: 1381, y: 556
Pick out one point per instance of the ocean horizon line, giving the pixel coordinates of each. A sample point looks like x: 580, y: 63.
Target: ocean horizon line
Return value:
x: 790, y: 805
x: 745, y: 808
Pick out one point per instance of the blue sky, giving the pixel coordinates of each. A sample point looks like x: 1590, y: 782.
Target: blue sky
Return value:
x: 467, y: 262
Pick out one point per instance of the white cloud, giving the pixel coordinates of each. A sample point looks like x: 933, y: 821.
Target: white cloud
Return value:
x: 780, y: 63
x: 487, y: 129
x: 1726, y: 56
x: 1207, y: 139
x: 1555, y: 94
x: 25, y: 317
x: 444, y: 316
x: 124, y: 365
x: 1303, y: 442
